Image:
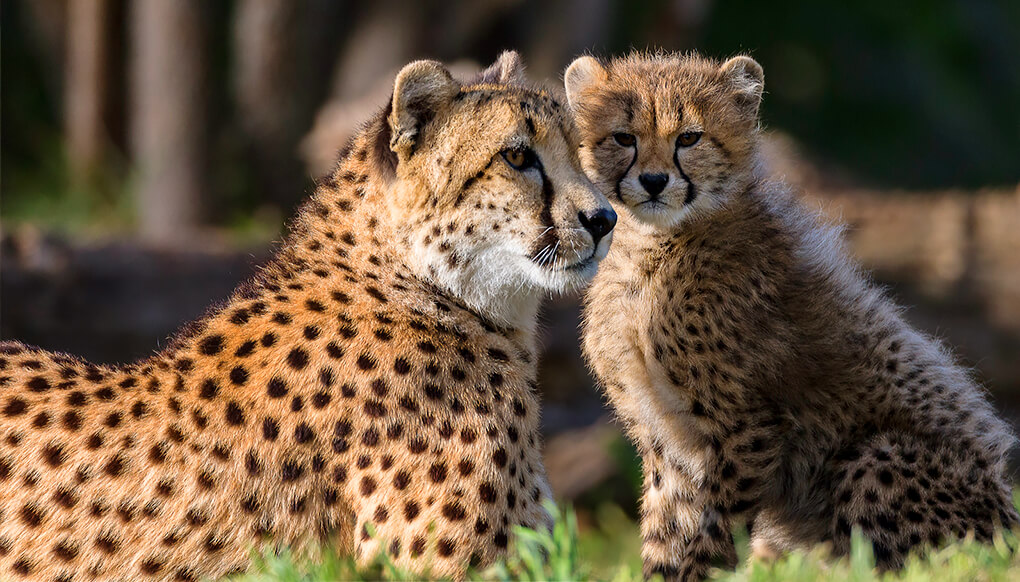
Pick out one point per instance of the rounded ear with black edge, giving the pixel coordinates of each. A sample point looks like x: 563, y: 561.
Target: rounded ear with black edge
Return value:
x: 583, y: 73
x: 508, y: 69
x: 747, y: 81
x: 421, y: 91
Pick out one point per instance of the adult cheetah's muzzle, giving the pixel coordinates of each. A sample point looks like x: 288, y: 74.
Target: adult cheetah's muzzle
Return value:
x: 598, y: 223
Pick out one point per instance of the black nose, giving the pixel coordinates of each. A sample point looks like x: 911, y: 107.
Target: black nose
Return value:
x: 599, y: 223
x: 654, y: 183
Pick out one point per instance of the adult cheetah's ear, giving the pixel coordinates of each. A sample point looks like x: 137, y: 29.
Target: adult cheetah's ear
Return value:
x: 585, y: 72
x: 747, y: 81
x: 422, y: 89
x: 507, y: 70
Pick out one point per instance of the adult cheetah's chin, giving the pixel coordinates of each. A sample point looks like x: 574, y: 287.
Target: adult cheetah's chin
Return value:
x: 566, y: 277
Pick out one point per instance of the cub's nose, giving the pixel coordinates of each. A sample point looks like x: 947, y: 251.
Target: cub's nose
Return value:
x: 654, y: 183
x: 599, y: 223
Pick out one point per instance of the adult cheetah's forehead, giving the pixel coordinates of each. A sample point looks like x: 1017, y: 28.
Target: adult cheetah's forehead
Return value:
x: 537, y: 106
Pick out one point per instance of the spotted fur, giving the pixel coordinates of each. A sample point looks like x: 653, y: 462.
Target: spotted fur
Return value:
x: 762, y: 377
x: 353, y: 382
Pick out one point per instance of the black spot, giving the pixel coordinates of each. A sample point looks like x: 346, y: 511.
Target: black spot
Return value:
x: 334, y: 351
x: 374, y: 408
x: 245, y: 349
x: 437, y: 472
x: 209, y: 389
x: 366, y: 362
x: 234, y: 414
x: 138, y: 409
x: 433, y: 392
x: 277, y: 388
x: 240, y: 316
x: 500, y: 539
x: 297, y: 358
x: 270, y: 429
x: 320, y: 399
x: 238, y: 375
x: 72, y: 420
x: 401, y: 480
x: 15, y: 407
x: 38, y: 384
x: 292, y: 470
x: 210, y: 345
x: 499, y: 457
x: 303, y: 433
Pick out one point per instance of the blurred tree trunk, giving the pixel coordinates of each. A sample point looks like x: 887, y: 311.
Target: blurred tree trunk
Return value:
x: 386, y: 37
x: 168, y: 116
x: 87, y: 84
x: 572, y: 28
x: 266, y: 87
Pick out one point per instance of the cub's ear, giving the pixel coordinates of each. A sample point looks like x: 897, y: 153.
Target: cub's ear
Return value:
x: 422, y: 90
x: 507, y: 70
x: 747, y: 81
x: 582, y: 74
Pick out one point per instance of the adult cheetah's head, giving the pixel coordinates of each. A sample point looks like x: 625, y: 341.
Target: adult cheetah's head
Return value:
x: 667, y: 137
x: 487, y: 190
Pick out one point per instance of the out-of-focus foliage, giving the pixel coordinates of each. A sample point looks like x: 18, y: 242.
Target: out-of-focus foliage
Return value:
x: 914, y: 93
x: 611, y: 554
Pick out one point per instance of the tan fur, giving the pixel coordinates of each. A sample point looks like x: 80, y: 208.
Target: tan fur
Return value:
x: 349, y: 384
x: 762, y: 377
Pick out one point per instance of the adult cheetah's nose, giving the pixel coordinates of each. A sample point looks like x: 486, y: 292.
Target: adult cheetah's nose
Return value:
x: 599, y: 223
x: 654, y: 183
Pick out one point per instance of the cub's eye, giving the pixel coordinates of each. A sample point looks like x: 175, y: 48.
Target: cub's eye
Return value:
x: 687, y: 139
x: 520, y: 158
x: 625, y: 139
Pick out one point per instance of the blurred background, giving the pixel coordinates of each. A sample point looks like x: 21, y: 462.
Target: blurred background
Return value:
x: 151, y: 150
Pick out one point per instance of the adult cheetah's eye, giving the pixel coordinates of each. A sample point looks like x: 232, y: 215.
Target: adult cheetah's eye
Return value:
x: 625, y: 139
x: 520, y: 158
x: 688, y: 138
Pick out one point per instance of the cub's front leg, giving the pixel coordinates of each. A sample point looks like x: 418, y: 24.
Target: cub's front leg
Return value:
x: 741, y: 464
x: 669, y: 514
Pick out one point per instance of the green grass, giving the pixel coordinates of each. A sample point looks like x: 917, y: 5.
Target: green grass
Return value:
x: 608, y: 549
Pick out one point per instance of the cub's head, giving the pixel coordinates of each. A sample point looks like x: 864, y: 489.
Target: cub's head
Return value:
x: 666, y: 137
x: 486, y: 189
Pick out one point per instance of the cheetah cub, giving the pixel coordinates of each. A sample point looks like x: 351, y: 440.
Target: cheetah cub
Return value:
x: 380, y: 370
x: 761, y: 376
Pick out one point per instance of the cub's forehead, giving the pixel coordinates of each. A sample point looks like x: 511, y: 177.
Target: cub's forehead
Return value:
x: 657, y: 95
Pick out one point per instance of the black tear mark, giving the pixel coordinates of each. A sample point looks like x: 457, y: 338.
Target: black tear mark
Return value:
x: 548, y: 237
x: 691, y: 192
x: 619, y: 181
x: 545, y: 217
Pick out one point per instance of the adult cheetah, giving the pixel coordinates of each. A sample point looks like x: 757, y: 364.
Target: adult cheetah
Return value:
x: 761, y: 376
x: 380, y: 370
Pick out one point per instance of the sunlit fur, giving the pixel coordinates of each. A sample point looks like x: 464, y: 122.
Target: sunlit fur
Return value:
x: 761, y: 375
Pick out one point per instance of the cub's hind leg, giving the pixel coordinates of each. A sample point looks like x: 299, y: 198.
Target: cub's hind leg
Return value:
x: 904, y: 491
